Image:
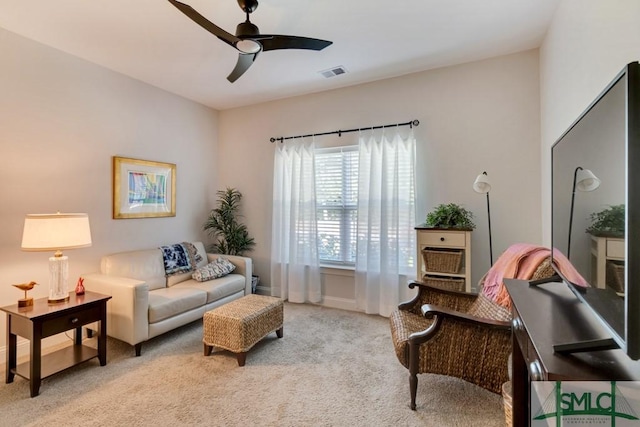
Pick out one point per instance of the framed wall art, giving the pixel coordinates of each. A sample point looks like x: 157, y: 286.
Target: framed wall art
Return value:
x: 143, y: 189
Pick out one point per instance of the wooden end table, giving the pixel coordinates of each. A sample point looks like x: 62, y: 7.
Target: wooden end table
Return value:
x: 44, y: 320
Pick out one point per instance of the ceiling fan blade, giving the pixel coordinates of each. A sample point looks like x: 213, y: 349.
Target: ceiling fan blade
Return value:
x: 205, y: 23
x: 244, y: 62
x: 274, y: 41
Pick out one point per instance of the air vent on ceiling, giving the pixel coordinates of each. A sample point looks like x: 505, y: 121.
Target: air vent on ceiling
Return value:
x: 335, y: 71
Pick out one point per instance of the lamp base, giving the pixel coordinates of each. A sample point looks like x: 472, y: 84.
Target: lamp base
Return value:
x: 58, y: 300
x: 25, y: 302
x: 58, y: 275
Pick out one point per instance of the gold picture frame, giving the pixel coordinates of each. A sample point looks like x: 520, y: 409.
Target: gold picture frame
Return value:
x: 143, y: 188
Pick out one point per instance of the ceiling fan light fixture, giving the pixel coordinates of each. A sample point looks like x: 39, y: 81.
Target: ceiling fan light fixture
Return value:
x: 248, y: 46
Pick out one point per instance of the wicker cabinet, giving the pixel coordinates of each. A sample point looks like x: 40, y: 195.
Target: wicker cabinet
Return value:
x: 607, y: 262
x: 444, y: 257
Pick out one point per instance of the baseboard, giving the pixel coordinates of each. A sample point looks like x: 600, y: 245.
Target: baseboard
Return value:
x: 263, y: 290
x: 23, y: 347
x: 341, y: 303
x: 331, y: 302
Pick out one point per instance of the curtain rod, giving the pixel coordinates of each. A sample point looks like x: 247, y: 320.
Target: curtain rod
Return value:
x: 411, y: 124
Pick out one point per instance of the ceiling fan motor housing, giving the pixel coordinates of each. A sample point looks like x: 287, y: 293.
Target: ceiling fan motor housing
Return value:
x: 247, y: 29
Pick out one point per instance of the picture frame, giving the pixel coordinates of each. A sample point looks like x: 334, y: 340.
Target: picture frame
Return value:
x: 143, y: 188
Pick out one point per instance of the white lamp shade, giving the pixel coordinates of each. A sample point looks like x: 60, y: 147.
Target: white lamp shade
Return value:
x: 586, y: 180
x: 482, y: 184
x: 52, y: 232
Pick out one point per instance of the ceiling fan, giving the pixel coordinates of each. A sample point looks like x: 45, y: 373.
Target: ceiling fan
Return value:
x: 248, y: 40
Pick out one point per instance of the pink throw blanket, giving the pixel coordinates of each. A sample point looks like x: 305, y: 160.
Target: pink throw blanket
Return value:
x: 520, y: 261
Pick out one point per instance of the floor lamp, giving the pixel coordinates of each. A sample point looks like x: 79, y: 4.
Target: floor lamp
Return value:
x: 482, y: 185
x: 583, y: 180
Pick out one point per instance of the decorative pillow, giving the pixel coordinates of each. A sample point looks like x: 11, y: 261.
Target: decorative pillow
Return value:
x: 176, y: 259
x: 218, y: 268
x: 194, y: 256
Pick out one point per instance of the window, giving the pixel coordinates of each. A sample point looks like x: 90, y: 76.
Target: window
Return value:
x: 337, y: 204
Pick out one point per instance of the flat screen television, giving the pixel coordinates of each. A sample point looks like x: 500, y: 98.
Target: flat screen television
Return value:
x: 603, y: 146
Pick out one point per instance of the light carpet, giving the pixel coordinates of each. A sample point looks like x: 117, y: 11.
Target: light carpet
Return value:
x: 331, y: 368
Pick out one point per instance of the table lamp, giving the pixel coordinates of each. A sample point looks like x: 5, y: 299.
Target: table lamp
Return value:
x: 55, y: 232
x: 482, y: 185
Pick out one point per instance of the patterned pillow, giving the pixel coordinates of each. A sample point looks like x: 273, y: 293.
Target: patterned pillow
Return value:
x: 176, y: 259
x: 218, y: 268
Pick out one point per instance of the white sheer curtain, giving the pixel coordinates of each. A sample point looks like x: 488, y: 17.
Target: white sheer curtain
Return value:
x: 386, y: 218
x: 295, y: 267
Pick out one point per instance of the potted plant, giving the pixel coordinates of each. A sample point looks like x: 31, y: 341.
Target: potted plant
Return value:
x: 608, y: 222
x: 230, y: 235
x: 450, y: 215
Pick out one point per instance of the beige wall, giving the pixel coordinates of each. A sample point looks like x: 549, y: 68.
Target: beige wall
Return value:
x: 587, y: 45
x: 61, y: 121
x: 473, y: 117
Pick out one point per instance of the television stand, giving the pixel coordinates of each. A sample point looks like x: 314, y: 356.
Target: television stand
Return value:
x: 546, y: 315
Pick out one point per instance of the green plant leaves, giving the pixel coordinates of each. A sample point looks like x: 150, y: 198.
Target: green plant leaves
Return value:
x: 231, y: 237
x: 608, y: 222
x: 450, y: 215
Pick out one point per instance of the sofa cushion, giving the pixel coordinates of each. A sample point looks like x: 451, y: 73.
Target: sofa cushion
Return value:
x: 219, y: 267
x: 181, y: 277
x: 146, y: 265
x: 168, y: 302
x: 218, y: 288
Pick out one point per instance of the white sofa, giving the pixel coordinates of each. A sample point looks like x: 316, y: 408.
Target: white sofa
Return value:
x: 145, y: 303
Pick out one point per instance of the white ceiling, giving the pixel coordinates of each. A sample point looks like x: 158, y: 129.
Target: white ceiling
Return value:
x: 152, y: 41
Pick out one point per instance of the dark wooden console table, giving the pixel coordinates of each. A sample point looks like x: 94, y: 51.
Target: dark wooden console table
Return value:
x: 44, y: 320
x: 551, y: 314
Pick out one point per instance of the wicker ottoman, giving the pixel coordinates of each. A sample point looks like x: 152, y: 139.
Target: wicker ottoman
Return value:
x: 240, y: 324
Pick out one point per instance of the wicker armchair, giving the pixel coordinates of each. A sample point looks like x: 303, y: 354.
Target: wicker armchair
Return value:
x: 454, y: 333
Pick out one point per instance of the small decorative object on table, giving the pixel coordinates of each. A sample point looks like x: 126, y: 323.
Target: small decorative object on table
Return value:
x: 80, y: 286
x: 26, y: 301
